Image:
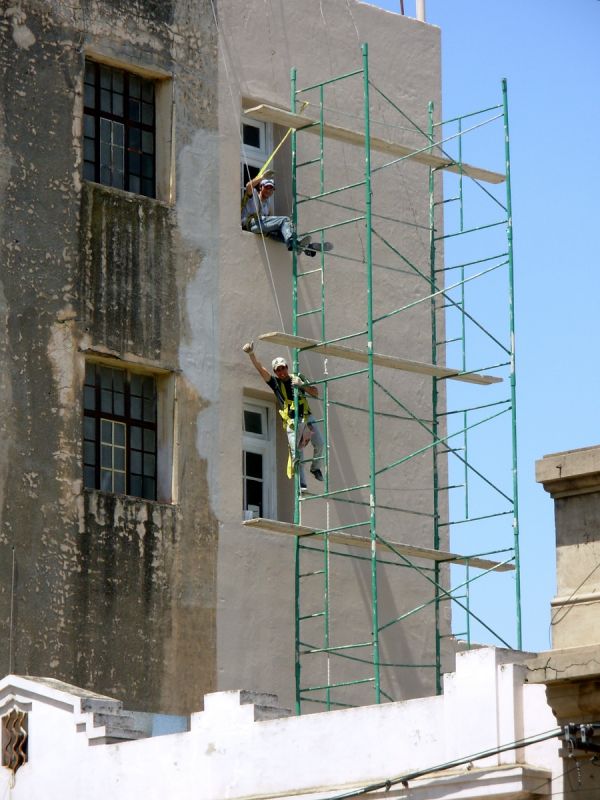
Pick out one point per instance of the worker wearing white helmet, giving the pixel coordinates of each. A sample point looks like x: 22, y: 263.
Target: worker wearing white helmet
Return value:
x: 283, y: 383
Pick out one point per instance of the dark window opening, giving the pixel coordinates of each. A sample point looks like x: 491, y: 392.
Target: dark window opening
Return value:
x: 119, y: 129
x: 251, y: 136
x: 119, y: 431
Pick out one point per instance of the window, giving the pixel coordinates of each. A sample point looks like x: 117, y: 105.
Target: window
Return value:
x: 256, y: 147
x: 120, y: 431
x: 14, y: 740
x: 119, y: 129
x: 258, y: 461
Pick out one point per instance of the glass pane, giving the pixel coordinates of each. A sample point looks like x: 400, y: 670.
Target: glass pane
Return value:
x: 105, y: 431
x: 134, y: 184
x: 148, y: 91
x: 106, y: 480
x: 136, y: 384
x: 148, y: 488
x: 105, y: 101
x: 119, y: 482
x: 147, y: 188
x: 135, y: 462
x: 253, y: 422
x: 119, y: 458
x: 118, y: 380
x: 105, y: 77
x: 89, y: 477
x: 89, y: 149
x: 89, y: 428
x: 118, y: 179
x: 118, y: 156
x: 105, y: 175
x: 147, y: 114
x: 89, y: 171
x: 89, y: 453
x: 106, y: 377
x: 149, y: 410
x: 149, y: 464
x: 105, y: 130
x: 134, y: 110
x: 136, y: 408
x: 119, y: 433
x: 147, y: 166
x: 254, y: 494
x: 135, y: 163
x: 135, y: 434
x: 106, y: 400
x: 90, y: 72
x: 135, y: 138
x: 105, y: 159
x: 148, y: 387
x: 135, y: 484
x: 117, y: 80
x: 117, y: 105
x: 134, y: 86
x: 106, y: 456
x: 90, y: 374
x: 254, y: 465
x: 118, y: 133
x: 149, y: 441
x: 147, y: 142
x: 89, y: 126
x: 89, y: 96
x: 252, y: 136
x: 89, y: 398
x: 119, y: 404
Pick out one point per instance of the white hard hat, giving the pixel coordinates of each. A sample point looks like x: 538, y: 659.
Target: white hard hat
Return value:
x: 278, y: 362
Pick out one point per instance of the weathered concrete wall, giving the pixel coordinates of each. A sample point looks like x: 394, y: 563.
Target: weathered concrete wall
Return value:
x: 109, y: 591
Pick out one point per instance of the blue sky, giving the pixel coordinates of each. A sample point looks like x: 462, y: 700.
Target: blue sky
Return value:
x: 548, y: 51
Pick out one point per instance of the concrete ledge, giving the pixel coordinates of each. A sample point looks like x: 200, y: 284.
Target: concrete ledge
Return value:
x: 568, y: 664
x: 571, y: 472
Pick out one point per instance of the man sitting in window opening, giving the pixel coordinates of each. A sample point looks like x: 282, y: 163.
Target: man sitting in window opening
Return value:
x: 283, y: 383
x: 257, y: 216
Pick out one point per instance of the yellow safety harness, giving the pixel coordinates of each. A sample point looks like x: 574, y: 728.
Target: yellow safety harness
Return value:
x: 288, y: 412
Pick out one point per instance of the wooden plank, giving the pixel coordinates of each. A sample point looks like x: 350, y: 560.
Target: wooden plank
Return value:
x: 394, y: 362
x: 299, y: 122
x: 352, y: 540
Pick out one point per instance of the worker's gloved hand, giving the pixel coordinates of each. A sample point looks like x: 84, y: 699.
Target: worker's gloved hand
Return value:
x: 248, y: 347
x: 297, y: 381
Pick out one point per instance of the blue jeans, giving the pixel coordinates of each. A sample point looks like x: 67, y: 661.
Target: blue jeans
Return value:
x: 317, y: 443
x: 276, y: 227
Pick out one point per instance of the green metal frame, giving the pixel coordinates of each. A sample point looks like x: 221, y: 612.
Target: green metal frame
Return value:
x: 446, y: 425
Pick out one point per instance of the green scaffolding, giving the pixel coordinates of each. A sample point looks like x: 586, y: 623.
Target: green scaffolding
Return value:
x: 472, y: 505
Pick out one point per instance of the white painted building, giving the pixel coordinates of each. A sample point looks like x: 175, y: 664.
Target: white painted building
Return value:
x: 82, y: 745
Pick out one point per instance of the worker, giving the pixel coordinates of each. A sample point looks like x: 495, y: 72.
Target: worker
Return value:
x: 257, y: 216
x: 282, y: 382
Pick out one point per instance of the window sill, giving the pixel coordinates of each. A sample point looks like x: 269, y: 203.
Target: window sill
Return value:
x: 128, y: 499
x: 129, y: 196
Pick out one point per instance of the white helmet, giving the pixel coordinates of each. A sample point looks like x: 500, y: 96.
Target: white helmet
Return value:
x: 278, y: 362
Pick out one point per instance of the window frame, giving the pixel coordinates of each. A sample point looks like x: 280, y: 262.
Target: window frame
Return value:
x: 254, y: 157
x: 264, y: 445
x: 129, y: 124
x: 99, y: 416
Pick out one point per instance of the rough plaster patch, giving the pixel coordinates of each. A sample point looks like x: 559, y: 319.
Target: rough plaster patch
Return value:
x: 62, y: 354
x: 197, y: 210
x: 21, y: 34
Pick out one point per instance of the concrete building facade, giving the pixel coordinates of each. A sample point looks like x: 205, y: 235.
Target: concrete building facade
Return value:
x: 126, y: 290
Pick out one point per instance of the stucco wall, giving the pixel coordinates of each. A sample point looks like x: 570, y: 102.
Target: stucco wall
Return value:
x: 405, y: 64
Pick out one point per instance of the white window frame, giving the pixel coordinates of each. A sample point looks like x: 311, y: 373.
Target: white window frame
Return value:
x: 255, y: 156
x: 265, y: 446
